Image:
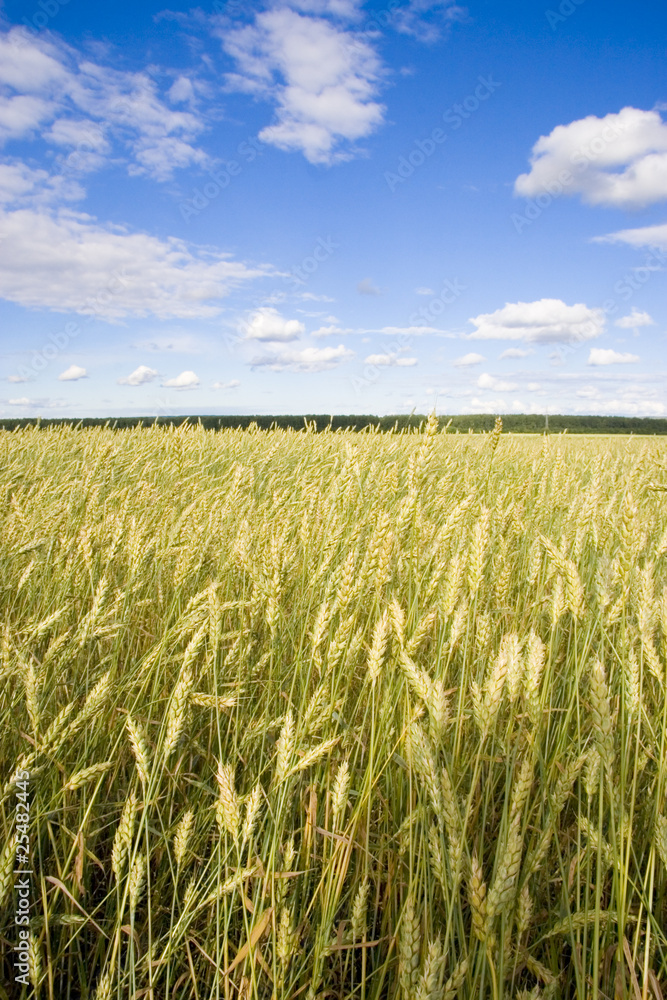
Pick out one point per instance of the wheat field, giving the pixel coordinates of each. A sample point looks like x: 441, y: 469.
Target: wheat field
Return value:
x: 350, y: 715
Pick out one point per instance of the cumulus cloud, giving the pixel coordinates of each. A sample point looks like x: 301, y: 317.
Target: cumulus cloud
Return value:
x: 17, y: 378
x: 547, y: 321
x: 19, y: 401
x: 422, y: 290
x: 604, y: 356
x: 468, y: 359
x: 268, y: 324
x: 304, y: 359
x: 73, y: 374
x: 390, y: 359
x: 70, y: 263
x: 323, y: 78
x: 635, y: 320
x: 90, y: 111
x: 186, y: 380
x: 487, y: 381
x: 140, y: 376
x: 619, y: 160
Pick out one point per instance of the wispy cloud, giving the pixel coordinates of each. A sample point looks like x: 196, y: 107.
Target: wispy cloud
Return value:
x: 70, y: 263
x: 302, y: 359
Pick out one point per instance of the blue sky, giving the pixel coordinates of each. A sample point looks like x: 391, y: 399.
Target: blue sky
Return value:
x: 335, y: 207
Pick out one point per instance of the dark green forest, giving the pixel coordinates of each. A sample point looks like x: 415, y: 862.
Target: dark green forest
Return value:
x: 477, y: 423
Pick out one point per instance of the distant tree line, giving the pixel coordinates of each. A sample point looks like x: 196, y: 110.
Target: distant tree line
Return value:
x: 517, y: 423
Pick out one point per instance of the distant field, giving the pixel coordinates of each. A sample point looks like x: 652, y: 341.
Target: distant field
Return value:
x: 333, y: 715
x: 517, y: 423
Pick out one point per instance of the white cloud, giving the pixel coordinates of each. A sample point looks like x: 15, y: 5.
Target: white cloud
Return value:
x: 645, y: 236
x: 426, y: 19
x: 70, y: 263
x: 268, y: 324
x: 232, y: 384
x: 547, y: 321
x: 73, y: 374
x: 603, y: 356
x: 366, y: 287
x: 424, y: 291
x: 306, y: 359
x: 22, y: 185
x: 140, y: 376
x: 332, y: 331
x: 79, y: 105
x: 186, y: 380
x: 634, y: 320
x: 619, y: 160
x: 181, y: 90
x: 514, y: 352
x: 17, y: 378
x: 20, y: 401
x: 390, y: 359
x: 533, y: 387
x: 323, y: 78
x: 468, y: 359
x: 487, y: 381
